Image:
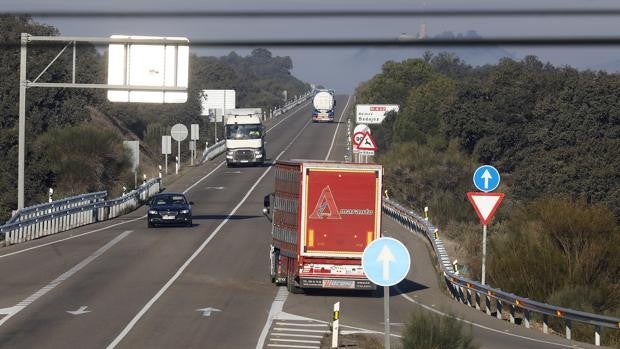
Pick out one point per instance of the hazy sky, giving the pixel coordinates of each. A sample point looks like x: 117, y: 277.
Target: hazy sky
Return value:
x: 342, y: 69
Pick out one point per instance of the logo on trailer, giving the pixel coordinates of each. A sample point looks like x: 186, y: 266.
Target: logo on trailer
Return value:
x: 326, y: 206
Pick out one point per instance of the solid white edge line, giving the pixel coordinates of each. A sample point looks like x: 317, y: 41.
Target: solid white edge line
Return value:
x: 63, y: 277
x: 178, y: 273
x: 337, y: 126
x: 141, y: 217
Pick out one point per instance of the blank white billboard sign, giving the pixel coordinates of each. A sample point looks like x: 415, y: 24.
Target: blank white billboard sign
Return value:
x: 142, y: 64
x: 217, y: 99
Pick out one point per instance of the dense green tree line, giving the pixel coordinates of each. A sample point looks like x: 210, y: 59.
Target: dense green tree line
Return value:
x: 554, y: 134
x: 69, y: 127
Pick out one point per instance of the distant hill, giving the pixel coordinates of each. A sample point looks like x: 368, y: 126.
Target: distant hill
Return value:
x: 363, y: 63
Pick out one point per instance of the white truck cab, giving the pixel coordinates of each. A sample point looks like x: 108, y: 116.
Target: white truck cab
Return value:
x: 244, y: 139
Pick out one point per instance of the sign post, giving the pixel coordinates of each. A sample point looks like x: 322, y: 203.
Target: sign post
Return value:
x: 178, y: 133
x: 194, y: 131
x: 486, y: 179
x: 386, y: 262
x: 166, y: 148
x: 485, y: 205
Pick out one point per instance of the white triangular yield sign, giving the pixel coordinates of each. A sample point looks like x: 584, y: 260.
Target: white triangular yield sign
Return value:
x: 367, y: 143
x: 485, y: 204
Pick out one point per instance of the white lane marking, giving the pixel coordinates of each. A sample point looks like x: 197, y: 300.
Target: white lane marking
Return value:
x: 296, y: 335
x: 207, y: 311
x: 40, y: 293
x: 298, y: 324
x: 80, y: 311
x: 335, y: 133
x: 276, y: 308
x: 215, y: 188
x: 482, y: 326
x: 299, y: 330
x: 178, y: 273
x: 296, y: 341
x: 293, y: 346
x: 281, y: 121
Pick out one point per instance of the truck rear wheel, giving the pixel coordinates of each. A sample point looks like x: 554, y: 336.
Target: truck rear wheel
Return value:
x: 291, y: 287
x: 290, y: 283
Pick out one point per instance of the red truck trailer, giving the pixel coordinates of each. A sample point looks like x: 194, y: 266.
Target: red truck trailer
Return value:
x: 324, y: 215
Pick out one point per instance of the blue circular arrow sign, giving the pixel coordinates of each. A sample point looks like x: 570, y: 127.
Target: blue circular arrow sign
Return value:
x: 486, y: 178
x: 386, y: 261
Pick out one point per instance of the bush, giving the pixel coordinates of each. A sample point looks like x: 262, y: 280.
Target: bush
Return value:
x: 85, y: 159
x: 431, y: 331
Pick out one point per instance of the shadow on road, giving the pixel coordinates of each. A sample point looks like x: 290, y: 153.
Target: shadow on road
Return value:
x: 405, y: 286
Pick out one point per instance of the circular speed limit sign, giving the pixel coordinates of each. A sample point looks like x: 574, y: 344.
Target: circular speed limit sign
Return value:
x: 357, y: 138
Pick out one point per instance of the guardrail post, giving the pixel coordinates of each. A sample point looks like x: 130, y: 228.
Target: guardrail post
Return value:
x: 545, y: 323
x: 569, y: 327
x: 512, y: 313
x: 597, y: 335
x: 526, y: 317
x: 487, y: 304
x: 498, y: 307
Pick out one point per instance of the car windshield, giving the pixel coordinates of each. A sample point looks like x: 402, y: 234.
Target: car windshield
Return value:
x: 236, y: 131
x: 169, y: 200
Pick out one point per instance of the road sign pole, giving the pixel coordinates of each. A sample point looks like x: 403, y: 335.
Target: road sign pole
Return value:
x: 386, y: 318
x: 21, y: 152
x: 166, y: 156
x: 178, y: 156
x: 484, y: 251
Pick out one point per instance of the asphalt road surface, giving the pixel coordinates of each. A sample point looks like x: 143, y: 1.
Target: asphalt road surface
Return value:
x: 118, y: 284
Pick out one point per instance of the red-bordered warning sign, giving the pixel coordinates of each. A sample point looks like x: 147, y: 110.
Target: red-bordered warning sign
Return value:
x: 367, y: 143
x: 485, y: 204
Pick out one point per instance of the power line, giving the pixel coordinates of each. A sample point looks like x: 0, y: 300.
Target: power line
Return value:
x: 321, y: 13
x: 433, y: 42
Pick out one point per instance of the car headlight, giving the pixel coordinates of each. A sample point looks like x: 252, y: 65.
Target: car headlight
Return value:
x: 258, y: 153
x: 152, y: 212
x: 230, y: 152
x: 184, y: 211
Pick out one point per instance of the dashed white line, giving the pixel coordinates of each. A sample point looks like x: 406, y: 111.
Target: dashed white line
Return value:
x: 337, y: 126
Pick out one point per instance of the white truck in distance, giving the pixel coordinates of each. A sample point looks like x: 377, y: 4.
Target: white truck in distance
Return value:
x: 244, y: 139
x: 324, y: 106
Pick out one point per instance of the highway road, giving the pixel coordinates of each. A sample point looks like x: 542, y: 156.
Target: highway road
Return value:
x: 118, y: 284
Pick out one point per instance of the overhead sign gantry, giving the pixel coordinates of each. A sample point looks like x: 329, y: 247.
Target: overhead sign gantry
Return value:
x: 141, y: 69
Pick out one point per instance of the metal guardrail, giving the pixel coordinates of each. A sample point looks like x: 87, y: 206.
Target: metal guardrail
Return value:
x: 291, y: 104
x: 211, y: 152
x: 28, y: 213
x: 75, y: 216
x: 218, y: 148
x: 471, y: 292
